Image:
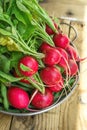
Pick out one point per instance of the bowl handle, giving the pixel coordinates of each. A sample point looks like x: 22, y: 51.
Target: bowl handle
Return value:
x: 71, y: 27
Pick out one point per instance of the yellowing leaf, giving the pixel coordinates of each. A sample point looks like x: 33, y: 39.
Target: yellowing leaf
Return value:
x: 9, y: 43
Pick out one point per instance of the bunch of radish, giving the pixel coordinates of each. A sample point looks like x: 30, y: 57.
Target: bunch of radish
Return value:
x: 60, y: 65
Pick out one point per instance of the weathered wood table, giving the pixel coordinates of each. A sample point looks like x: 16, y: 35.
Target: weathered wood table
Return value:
x: 72, y: 114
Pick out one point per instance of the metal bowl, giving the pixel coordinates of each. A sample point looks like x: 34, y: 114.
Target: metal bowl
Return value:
x: 62, y: 96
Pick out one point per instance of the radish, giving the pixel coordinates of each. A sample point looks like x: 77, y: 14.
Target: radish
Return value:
x: 64, y: 58
x: 64, y: 62
x: 50, y: 75
x: 25, y: 81
x: 42, y: 100
x: 22, y: 80
x: 18, y: 98
x: 44, y: 46
x: 49, y: 30
x: 73, y: 67
x: 28, y: 66
x: 72, y: 52
x: 61, y: 40
x: 56, y: 87
x: 52, y: 57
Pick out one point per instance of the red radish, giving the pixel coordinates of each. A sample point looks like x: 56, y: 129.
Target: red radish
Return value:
x: 61, y: 40
x: 28, y: 66
x: 52, y: 57
x: 64, y: 58
x: 50, y: 75
x: 44, y: 46
x: 56, y: 87
x: 18, y: 98
x: 63, y: 53
x: 49, y: 30
x: 73, y: 67
x: 42, y: 100
x: 25, y: 81
x: 72, y: 52
x: 22, y: 80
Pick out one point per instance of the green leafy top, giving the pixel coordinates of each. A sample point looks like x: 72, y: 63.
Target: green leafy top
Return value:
x: 22, y: 30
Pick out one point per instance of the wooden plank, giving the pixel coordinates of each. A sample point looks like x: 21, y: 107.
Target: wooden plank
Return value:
x: 68, y: 113
x: 39, y: 122
x: 82, y: 48
x: 66, y: 11
x: 5, y: 121
x: 82, y: 95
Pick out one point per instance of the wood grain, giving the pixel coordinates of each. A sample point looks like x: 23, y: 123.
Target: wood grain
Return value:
x: 5, y: 122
